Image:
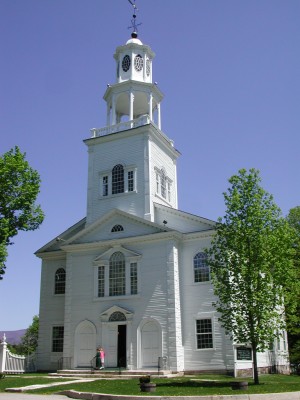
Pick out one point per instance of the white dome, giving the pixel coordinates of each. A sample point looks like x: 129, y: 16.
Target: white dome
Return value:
x: 134, y: 40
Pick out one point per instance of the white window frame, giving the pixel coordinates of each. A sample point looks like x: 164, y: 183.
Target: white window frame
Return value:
x: 163, y: 192
x: 105, y: 265
x: 106, y: 187
x: 193, y: 263
x: 203, y: 316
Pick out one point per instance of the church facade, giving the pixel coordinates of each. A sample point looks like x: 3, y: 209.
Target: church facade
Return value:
x: 131, y: 276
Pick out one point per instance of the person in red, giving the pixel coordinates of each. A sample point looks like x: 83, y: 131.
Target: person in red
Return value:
x: 102, y: 357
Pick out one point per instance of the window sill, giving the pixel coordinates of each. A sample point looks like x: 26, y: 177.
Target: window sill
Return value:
x: 163, y: 199
x: 201, y: 283
x: 123, y: 297
x: 111, y: 196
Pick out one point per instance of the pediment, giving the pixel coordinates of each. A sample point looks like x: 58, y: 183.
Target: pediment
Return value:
x: 114, y: 225
x: 103, y: 259
x: 108, y: 315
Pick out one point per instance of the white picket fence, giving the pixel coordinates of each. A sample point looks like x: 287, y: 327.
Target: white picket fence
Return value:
x: 13, y: 363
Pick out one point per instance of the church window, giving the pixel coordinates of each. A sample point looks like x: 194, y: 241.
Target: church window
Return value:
x: 118, y: 179
x: 169, y: 191
x: 117, y: 316
x: 201, y: 269
x: 117, y: 228
x: 130, y: 181
x: 133, y: 278
x: 60, y: 281
x: 105, y: 186
x: 138, y: 62
x: 121, y: 179
x: 148, y: 67
x: 204, y: 333
x: 101, y: 281
x: 126, y: 63
x: 117, y: 278
x: 157, y: 182
x: 163, y: 184
x: 57, y: 339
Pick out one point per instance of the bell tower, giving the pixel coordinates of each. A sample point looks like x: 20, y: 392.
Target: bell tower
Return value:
x: 134, y: 94
x: 132, y: 163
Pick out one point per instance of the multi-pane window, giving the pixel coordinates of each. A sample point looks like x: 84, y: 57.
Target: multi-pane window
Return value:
x: 201, y: 269
x: 117, y: 278
x: 101, y: 281
x: 130, y: 181
x: 133, y: 278
x: 157, y: 182
x: 57, y: 339
x: 60, y: 281
x: 117, y: 179
x: 163, y: 184
x: 105, y: 186
x: 204, y: 333
x: 117, y: 228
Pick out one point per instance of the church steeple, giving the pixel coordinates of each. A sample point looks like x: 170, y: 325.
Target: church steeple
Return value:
x: 132, y: 163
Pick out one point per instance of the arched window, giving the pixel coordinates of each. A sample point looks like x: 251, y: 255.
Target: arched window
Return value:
x: 60, y: 281
x: 117, y: 276
x: 201, y: 269
x: 118, y: 179
x: 117, y: 228
x: 117, y: 316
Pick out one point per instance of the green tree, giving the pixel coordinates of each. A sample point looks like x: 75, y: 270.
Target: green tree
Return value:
x: 251, y: 260
x: 29, y: 340
x: 293, y: 316
x: 19, y: 188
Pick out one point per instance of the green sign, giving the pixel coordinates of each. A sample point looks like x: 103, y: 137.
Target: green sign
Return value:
x: 243, y: 353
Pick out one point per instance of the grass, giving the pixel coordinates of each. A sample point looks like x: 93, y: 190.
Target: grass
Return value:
x: 185, y: 386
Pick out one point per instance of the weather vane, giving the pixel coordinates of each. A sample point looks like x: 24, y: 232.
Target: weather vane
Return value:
x: 134, y: 25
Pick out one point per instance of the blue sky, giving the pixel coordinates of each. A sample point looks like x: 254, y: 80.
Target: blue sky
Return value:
x: 229, y: 70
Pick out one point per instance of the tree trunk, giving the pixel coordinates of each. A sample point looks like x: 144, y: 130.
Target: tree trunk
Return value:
x: 255, y: 369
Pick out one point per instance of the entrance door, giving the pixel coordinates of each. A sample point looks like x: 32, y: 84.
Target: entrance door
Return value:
x: 85, y: 344
x: 122, y: 346
x: 150, y: 345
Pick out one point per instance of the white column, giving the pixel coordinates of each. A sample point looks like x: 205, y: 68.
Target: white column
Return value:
x: 108, y: 114
x: 150, y: 106
x: 131, y: 101
x: 113, y: 111
x: 158, y: 116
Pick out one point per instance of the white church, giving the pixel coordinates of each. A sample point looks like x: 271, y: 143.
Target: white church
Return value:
x: 132, y: 276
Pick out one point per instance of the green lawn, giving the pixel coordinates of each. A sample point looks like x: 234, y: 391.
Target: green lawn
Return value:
x: 186, y: 386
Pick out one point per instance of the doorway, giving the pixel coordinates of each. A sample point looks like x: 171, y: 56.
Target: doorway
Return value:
x: 122, y: 346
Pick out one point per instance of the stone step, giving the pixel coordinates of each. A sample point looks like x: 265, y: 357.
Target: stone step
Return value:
x: 111, y: 373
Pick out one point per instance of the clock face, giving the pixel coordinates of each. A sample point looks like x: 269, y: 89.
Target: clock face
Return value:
x: 148, y: 66
x: 126, y: 63
x: 138, y: 62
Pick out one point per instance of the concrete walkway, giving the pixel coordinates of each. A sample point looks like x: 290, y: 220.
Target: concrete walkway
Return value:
x: 270, y: 396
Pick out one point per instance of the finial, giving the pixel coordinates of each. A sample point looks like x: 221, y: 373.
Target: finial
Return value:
x: 134, y: 25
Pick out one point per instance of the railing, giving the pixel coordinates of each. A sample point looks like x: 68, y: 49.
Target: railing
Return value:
x: 13, y: 363
x: 122, y: 126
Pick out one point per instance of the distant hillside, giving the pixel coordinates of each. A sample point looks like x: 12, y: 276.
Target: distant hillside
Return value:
x: 13, y: 337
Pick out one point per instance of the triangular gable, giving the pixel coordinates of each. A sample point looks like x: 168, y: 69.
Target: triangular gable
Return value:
x: 182, y: 221
x: 55, y: 244
x: 102, y: 228
x: 105, y: 316
x: 103, y: 259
